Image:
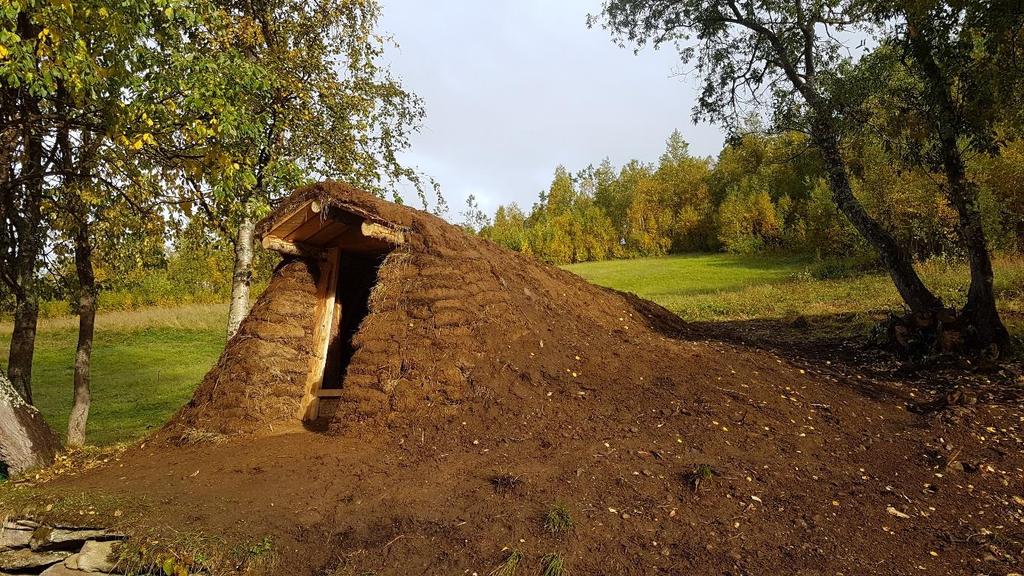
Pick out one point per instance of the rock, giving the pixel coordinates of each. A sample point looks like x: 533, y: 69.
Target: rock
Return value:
x: 46, y: 538
x: 62, y: 570
x: 21, y: 560
x: 12, y: 538
x: 94, y: 557
x: 23, y: 524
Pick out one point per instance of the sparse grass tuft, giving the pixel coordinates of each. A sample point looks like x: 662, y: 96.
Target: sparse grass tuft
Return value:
x: 186, y: 552
x: 192, y: 552
x: 558, y: 520
x: 254, y: 554
x: 509, y: 565
x: 554, y: 565
x: 194, y: 436
x: 506, y: 482
x: 699, y: 477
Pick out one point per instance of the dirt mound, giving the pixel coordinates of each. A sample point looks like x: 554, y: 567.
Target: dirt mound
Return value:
x: 452, y: 319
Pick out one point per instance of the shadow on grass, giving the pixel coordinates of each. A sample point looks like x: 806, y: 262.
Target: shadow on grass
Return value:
x: 838, y: 347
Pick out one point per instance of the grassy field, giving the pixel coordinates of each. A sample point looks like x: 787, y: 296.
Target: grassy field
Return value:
x: 147, y: 362
x: 721, y: 287
x: 145, y: 365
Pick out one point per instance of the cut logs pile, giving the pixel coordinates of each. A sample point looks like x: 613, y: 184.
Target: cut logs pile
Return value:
x: 923, y: 334
x: 27, y: 547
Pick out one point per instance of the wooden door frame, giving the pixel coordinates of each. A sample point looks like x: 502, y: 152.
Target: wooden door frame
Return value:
x: 327, y: 289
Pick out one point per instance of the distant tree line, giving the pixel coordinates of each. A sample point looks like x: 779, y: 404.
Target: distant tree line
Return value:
x: 764, y: 193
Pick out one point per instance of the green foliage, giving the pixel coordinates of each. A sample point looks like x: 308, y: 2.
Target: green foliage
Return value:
x: 290, y: 91
x: 597, y: 214
x: 508, y: 228
x: 196, y: 269
x: 254, y: 554
x: 473, y: 218
x: 836, y: 267
x: 165, y: 121
x: 146, y: 364
x: 700, y: 477
x: 764, y: 194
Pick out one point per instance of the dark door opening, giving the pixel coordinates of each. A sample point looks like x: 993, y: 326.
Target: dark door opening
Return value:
x: 357, y: 275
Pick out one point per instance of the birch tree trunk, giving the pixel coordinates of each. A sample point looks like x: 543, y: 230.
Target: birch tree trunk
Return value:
x: 86, y: 326
x: 26, y: 441
x: 241, y: 278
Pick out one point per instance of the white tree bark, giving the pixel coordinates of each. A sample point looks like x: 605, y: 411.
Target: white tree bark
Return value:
x: 241, y: 278
x: 26, y: 441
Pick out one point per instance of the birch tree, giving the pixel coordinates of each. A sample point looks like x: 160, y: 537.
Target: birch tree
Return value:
x: 951, y: 74
x: 308, y: 98
x: 784, y: 59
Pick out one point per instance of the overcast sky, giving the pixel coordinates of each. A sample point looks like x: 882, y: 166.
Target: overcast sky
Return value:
x: 514, y: 88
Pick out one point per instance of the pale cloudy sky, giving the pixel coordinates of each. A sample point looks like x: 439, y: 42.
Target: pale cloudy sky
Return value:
x: 515, y: 87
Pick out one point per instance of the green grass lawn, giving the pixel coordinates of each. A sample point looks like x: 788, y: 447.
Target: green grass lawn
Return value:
x: 147, y: 362
x: 723, y: 287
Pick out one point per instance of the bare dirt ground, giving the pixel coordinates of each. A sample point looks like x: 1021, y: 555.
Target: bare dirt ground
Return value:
x: 813, y: 474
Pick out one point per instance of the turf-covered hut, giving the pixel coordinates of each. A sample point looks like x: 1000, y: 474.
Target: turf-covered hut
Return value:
x: 382, y: 311
x: 347, y: 242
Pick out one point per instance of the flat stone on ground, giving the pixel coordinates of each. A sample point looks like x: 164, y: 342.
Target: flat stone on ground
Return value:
x: 94, y: 557
x: 27, y: 559
x: 62, y: 570
x: 60, y: 538
x: 11, y: 539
